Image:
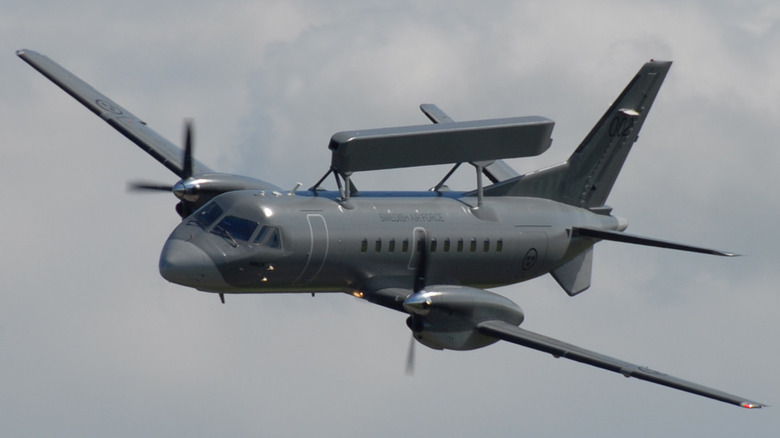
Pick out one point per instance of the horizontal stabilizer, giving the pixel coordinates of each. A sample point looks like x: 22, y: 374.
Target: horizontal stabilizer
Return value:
x: 516, y: 335
x: 574, y: 276
x: 496, y: 171
x: 119, y: 118
x: 435, y: 113
x: 637, y: 240
x: 445, y: 143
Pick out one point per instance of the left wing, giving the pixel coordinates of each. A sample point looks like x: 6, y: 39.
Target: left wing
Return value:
x: 516, y: 335
x: 112, y: 113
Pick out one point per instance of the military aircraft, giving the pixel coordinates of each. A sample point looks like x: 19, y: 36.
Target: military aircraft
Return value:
x: 430, y: 254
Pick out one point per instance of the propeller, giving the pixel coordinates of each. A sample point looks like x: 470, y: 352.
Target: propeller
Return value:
x: 186, y: 188
x: 194, y: 190
x: 149, y: 186
x: 410, y: 357
x: 419, y: 284
x: 187, y: 162
x: 179, y: 189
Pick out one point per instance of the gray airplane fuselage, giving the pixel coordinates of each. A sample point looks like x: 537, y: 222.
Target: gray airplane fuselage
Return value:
x: 269, y: 241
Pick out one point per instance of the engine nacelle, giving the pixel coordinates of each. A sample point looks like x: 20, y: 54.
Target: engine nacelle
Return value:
x: 195, y: 191
x: 445, y: 317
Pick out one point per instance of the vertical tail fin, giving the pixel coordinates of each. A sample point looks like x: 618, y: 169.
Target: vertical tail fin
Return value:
x: 587, y: 177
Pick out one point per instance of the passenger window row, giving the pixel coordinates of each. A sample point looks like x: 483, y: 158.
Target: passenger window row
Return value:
x: 433, y: 245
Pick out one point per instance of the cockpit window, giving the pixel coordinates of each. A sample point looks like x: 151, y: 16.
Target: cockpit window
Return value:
x: 207, y: 215
x: 235, y: 227
x: 269, y: 236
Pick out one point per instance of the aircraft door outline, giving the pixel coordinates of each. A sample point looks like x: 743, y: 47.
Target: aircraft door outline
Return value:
x: 318, y: 249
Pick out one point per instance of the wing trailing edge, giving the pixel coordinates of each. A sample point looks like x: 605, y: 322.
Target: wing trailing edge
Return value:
x: 519, y: 336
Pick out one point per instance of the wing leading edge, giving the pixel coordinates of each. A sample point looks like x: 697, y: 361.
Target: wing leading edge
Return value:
x: 119, y: 118
x: 516, y: 335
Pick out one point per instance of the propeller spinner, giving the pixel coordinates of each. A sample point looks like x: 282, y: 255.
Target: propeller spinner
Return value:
x: 187, y: 189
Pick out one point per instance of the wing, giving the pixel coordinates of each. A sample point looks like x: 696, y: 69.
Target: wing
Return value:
x: 516, y: 335
x: 167, y: 153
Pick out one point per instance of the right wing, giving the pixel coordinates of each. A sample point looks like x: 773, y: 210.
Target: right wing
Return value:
x: 516, y: 335
x: 167, y: 153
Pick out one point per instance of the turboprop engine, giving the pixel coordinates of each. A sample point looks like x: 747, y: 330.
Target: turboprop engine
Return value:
x: 446, y: 317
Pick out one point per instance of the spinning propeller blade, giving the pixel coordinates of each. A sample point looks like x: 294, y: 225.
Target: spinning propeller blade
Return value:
x: 410, y: 357
x: 419, y: 284
x: 150, y: 186
x: 186, y: 171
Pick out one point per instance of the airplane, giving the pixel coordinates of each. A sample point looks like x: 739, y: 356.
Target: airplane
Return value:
x: 430, y: 254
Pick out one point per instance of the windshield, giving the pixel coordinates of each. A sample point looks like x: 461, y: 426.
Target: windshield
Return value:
x: 206, y: 215
x: 235, y: 227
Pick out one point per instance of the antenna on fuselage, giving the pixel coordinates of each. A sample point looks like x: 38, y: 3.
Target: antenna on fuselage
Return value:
x: 480, y: 166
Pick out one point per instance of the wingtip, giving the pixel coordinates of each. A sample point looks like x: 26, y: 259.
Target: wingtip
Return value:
x: 753, y: 405
x: 26, y: 53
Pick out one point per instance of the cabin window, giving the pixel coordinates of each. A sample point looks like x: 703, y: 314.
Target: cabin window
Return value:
x: 486, y: 245
x: 434, y: 244
x: 405, y: 245
x: 473, y: 244
x: 364, y: 245
x: 447, y: 245
x: 499, y: 245
x: 269, y: 236
x: 460, y: 244
x: 391, y: 245
x: 378, y: 245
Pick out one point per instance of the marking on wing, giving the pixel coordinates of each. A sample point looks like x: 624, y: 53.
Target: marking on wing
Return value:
x: 108, y: 106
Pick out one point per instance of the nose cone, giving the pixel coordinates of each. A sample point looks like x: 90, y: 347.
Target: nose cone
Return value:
x: 183, y: 263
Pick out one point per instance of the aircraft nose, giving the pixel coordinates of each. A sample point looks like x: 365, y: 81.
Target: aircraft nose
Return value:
x: 184, y: 263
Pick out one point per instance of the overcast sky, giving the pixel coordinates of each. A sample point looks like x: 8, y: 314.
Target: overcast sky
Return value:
x: 93, y: 342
